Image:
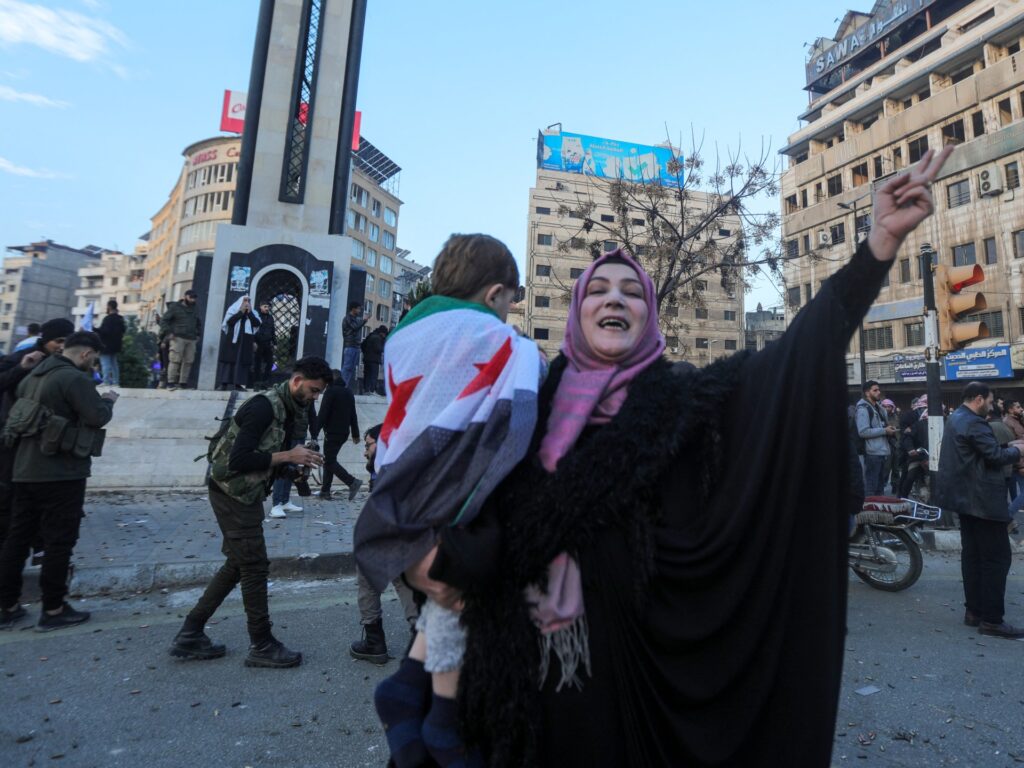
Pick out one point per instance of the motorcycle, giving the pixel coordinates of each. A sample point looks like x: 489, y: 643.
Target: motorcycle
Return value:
x: 885, y: 547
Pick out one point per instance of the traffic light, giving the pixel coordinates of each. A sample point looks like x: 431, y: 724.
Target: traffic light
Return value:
x: 951, y: 305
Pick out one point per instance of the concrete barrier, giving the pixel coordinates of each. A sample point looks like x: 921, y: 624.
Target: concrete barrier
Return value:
x: 156, y: 435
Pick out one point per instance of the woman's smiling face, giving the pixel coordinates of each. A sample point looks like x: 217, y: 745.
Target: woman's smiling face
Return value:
x: 613, y: 312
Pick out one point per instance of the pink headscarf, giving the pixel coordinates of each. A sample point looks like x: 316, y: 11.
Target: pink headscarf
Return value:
x: 591, y: 390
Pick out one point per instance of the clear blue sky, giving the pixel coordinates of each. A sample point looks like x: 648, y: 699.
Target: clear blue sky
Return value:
x: 99, y: 97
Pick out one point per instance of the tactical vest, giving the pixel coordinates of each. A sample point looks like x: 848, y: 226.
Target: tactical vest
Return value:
x: 251, y: 487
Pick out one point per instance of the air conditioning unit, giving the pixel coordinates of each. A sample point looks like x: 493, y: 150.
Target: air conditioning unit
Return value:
x: 862, y: 236
x: 990, y: 180
x: 824, y: 238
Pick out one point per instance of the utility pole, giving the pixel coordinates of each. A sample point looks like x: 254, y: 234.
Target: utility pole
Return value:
x: 931, y: 357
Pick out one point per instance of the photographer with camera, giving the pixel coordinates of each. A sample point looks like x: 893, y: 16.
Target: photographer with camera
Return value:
x: 252, y: 450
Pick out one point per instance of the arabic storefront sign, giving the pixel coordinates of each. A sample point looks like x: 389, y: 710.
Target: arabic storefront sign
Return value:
x: 985, y: 363
x: 890, y: 16
x: 909, y: 368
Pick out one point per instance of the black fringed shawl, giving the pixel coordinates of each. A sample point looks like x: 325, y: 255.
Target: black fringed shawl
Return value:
x: 709, y: 521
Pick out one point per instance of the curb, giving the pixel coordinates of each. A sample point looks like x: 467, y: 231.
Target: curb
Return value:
x: 949, y: 541
x: 144, y: 577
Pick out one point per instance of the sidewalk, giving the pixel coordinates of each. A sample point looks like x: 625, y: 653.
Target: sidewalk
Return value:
x: 137, y: 541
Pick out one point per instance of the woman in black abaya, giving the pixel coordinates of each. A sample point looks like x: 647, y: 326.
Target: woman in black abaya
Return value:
x: 239, y: 328
x: 663, y: 581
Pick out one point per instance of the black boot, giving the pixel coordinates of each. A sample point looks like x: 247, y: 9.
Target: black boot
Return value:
x: 373, y: 647
x: 194, y: 644
x: 272, y: 653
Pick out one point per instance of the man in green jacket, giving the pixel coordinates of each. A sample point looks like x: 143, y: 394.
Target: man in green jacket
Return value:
x: 257, y: 445
x: 51, y: 464
x: 181, y: 327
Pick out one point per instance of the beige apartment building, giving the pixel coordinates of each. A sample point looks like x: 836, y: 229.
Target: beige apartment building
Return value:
x: 203, y: 197
x: 698, y: 334
x: 38, y: 283
x: 117, y: 276
x: 894, y: 82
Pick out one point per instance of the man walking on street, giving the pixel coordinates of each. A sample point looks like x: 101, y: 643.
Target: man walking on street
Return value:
x: 181, y: 327
x: 875, y: 432
x: 111, y: 333
x: 338, y: 420
x: 256, y: 445
x: 970, y: 483
x: 263, y: 361
x: 373, y: 646
x: 51, y: 465
x: 373, y: 356
x: 352, y: 334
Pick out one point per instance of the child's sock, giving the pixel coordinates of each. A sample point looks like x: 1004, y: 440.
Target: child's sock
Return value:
x: 441, y: 736
x: 402, y: 701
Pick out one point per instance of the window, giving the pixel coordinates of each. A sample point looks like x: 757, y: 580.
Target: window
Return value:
x: 577, y: 242
x: 792, y: 249
x: 390, y: 217
x: 807, y: 243
x: 818, y: 195
x: 384, y: 289
x: 963, y: 255
x: 367, y: 309
x: 990, y: 250
x: 722, y: 232
x: 371, y: 257
x: 350, y: 219
x: 544, y: 239
x: 1018, y: 244
x: 701, y: 343
x: 862, y: 224
x: 672, y: 343
x: 610, y: 245
x: 375, y: 208
x: 357, y: 250
x: 1013, y: 48
x: 922, y: 95
x: 729, y: 314
x: 637, y: 222
x: 374, y: 234
x: 113, y: 281
x: 1005, y: 109
x: 541, y: 301
x: 793, y: 296
x: 791, y: 206
x: 838, y: 233
x: 702, y: 285
x: 917, y: 147
x: 908, y: 103
x: 607, y: 217
x: 369, y: 284
x: 386, y: 265
x: 669, y: 310
x: 359, y: 195
x: 958, y: 193
x: 575, y: 215
x: 878, y: 338
x: 994, y: 321
x: 978, y: 123
x: 963, y: 74
x: 383, y: 313
x: 1012, y: 175
x: 540, y: 334
x: 542, y: 210
x: 904, y: 270
x: 897, y: 158
x: 8, y: 307
x: 542, y: 270
x: 387, y: 239
x: 860, y: 174
x: 701, y: 313
x: 954, y: 133
x: 877, y: 162
x: 807, y: 293
x: 576, y: 272
x: 914, y: 334
x: 730, y: 344
x: 803, y: 198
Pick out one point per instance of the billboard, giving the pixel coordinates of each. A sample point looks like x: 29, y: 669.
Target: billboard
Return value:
x: 604, y: 158
x: 985, y: 363
x: 907, y: 368
x: 232, y: 115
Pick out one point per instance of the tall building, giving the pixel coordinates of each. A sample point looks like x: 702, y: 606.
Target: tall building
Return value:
x: 557, y: 255
x: 892, y: 83
x: 764, y: 326
x: 38, y: 284
x: 117, y: 276
x: 203, y: 197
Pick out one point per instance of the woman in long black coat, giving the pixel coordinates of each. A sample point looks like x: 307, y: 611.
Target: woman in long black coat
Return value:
x: 236, y: 351
x: 663, y: 582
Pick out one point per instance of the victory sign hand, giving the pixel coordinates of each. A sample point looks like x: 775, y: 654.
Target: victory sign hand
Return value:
x: 903, y: 203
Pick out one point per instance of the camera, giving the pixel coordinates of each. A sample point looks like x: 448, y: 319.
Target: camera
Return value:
x: 299, y: 473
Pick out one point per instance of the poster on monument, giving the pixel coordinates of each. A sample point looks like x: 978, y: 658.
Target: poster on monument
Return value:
x: 240, y: 277
x: 318, y: 288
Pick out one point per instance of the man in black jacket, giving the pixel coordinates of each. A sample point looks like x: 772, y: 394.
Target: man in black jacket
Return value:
x: 351, y: 334
x: 263, y: 362
x: 111, y: 332
x: 970, y: 483
x: 337, y: 418
x: 373, y: 356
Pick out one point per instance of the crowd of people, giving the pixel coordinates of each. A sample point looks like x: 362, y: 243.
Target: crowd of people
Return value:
x: 671, y: 612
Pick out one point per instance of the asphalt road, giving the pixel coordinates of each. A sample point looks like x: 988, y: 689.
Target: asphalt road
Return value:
x: 106, y: 693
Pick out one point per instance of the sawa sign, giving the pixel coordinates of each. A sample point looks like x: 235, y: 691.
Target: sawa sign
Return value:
x: 890, y: 16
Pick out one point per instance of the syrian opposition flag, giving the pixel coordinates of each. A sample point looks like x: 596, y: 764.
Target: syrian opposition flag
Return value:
x: 462, y: 393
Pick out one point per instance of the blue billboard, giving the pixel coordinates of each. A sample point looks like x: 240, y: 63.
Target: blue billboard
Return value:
x: 984, y: 363
x: 605, y: 158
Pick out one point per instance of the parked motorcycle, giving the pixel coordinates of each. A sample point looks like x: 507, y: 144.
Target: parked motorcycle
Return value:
x: 885, y: 547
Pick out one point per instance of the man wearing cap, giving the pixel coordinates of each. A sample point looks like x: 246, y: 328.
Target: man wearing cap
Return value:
x: 57, y: 421
x: 13, y: 368
x: 181, y: 327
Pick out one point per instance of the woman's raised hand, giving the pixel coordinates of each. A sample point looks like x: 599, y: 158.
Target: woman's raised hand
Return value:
x: 904, y: 202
